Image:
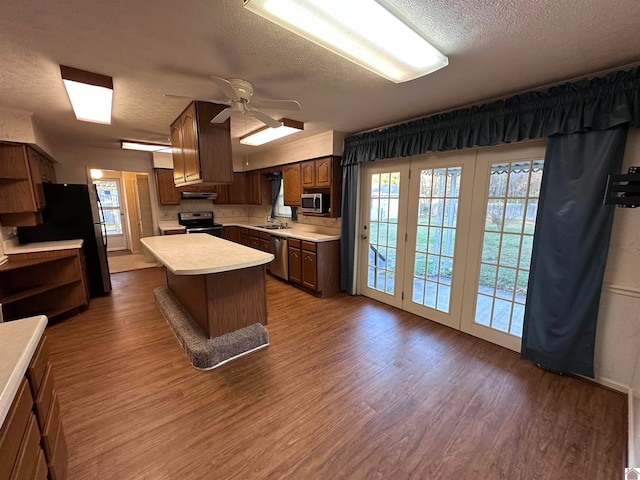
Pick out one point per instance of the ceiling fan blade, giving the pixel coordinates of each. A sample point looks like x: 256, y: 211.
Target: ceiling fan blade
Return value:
x: 264, y: 118
x: 277, y: 104
x: 226, y: 87
x: 222, y: 116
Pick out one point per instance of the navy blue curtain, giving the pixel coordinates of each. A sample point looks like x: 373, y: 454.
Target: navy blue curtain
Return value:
x: 276, y: 181
x: 570, y: 247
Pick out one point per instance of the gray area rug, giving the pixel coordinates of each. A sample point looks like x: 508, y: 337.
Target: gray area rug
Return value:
x: 206, y: 353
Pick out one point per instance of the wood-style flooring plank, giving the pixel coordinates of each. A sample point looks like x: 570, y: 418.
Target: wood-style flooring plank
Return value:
x: 348, y: 389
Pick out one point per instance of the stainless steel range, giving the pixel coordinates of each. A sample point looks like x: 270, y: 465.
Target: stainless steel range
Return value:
x: 200, y: 222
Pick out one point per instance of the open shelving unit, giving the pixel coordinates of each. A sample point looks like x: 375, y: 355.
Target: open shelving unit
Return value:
x: 48, y: 283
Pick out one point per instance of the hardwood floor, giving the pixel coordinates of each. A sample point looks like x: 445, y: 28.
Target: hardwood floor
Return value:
x: 348, y: 389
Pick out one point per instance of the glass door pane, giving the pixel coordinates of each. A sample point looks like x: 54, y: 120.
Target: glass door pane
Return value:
x: 384, y: 201
x: 503, y: 256
x: 438, y: 224
x: 110, y: 197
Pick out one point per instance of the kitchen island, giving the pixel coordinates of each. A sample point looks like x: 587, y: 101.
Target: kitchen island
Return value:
x: 221, y: 284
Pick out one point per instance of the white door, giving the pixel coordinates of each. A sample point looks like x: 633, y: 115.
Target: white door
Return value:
x: 503, y: 215
x: 384, y: 198
x: 437, y: 234
x: 449, y: 236
x: 110, y: 196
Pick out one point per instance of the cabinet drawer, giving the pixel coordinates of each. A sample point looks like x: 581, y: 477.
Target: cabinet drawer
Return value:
x: 53, y: 426
x: 38, y: 367
x: 13, y: 429
x: 44, y: 398
x: 30, y: 453
x: 308, y: 246
x: 58, y: 463
x: 265, y: 235
x: 294, y: 242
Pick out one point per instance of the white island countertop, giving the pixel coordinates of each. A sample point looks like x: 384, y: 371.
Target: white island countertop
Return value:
x: 201, y: 254
x: 18, y: 342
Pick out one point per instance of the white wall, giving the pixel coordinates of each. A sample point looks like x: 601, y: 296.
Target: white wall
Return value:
x: 618, y: 331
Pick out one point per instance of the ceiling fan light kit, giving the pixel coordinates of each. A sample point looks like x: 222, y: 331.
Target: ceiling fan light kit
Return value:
x: 91, y: 94
x: 269, y: 134
x: 145, y: 146
x: 366, y: 32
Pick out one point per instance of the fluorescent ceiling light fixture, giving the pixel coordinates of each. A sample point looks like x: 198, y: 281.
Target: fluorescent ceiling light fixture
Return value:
x: 91, y: 94
x: 145, y: 146
x: 95, y: 173
x: 363, y: 31
x: 269, y: 134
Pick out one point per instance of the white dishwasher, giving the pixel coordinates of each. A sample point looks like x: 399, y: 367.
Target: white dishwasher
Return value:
x: 280, y: 265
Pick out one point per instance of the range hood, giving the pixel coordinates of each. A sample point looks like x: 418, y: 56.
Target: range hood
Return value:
x: 195, y: 195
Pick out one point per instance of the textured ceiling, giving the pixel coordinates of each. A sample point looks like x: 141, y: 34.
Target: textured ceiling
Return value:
x: 151, y: 48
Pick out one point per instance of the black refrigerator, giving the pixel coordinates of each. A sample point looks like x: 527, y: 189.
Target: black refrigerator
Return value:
x: 74, y: 212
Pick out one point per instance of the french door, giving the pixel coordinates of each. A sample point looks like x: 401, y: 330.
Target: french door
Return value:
x: 503, y: 223
x: 382, y: 248
x: 449, y: 236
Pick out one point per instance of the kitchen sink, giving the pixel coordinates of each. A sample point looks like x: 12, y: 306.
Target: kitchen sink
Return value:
x: 272, y: 227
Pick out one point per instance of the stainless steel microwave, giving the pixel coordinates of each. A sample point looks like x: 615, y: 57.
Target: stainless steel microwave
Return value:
x: 314, y: 202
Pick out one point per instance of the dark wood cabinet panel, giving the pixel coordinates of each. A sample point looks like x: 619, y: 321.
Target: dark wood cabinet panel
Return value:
x: 291, y: 184
x: 308, y: 174
x: 323, y: 172
x: 309, y: 273
x: 21, y: 192
x: 168, y: 194
x: 231, y: 233
x: 237, y: 190
x: 295, y: 265
x: 201, y: 150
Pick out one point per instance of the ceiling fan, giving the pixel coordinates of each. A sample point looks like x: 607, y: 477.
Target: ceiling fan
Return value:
x: 239, y: 93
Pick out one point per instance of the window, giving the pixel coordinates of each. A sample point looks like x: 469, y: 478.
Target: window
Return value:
x: 281, y: 209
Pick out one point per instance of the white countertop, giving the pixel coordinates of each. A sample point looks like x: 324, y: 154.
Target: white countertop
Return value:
x: 201, y: 254
x: 164, y: 225
x: 289, y: 232
x: 10, y: 248
x: 18, y: 342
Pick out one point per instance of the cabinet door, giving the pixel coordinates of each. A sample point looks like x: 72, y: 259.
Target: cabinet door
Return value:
x: 323, y: 172
x: 168, y: 194
x: 177, y: 152
x: 238, y: 189
x: 308, y: 174
x: 189, y: 127
x: 309, y: 276
x: 231, y: 233
x: 295, y: 265
x: 291, y: 184
x: 36, y: 178
x: 254, y: 240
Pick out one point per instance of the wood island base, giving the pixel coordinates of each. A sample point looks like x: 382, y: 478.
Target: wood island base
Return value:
x: 223, y: 302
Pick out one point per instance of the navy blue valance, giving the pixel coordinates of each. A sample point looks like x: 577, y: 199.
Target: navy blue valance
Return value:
x: 587, y: 105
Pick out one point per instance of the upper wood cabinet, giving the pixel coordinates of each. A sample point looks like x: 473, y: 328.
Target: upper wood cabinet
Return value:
x: 308, y: 174
x: 21, y: 192
x: 258, y: 188
x: 291, y: 184
x: 168, y: 194
x: 324, y: 172
x: 201, y: 150
x: 324, y: 175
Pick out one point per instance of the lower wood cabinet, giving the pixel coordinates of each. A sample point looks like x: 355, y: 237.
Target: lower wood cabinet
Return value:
x: 231, y: 233
x: 43, y: 283
x: 32, y: 441
x: 315, y: 266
